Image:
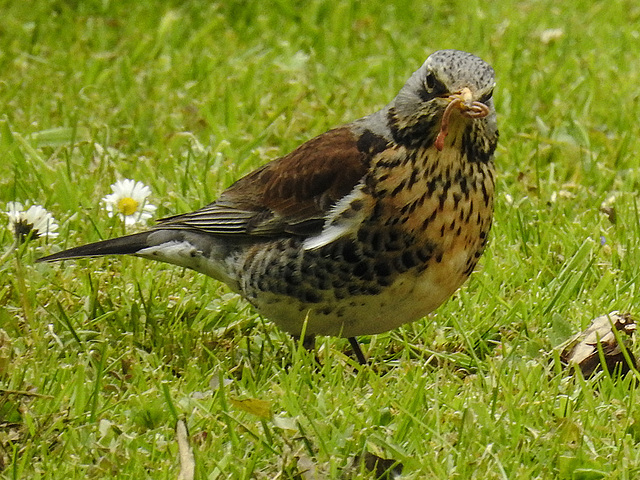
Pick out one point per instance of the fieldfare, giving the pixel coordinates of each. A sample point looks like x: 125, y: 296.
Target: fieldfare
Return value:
x: 361, y: 229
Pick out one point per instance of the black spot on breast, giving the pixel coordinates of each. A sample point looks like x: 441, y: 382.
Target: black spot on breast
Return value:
x: 429, y: 219
x: 362, y: 271
x: 432, y: 185
x: 425, y: 253
x: 310, y: 296
x: 350, y: 252
x: 382, y: 269
x: 399, y: 188
x: 464, y: 188
x: 485, y: 194
x: 371, y: 143
x: 414, y: 177
x: 468, y: 218
x: 376, y: 241
x: 399, y: 265
x: 471, y: 264
x: 288, y: 275
x: 324, y: 283
x: 357, y: 205
x: 476, y: 147
x: 393, y: 241
x: 422, y: 133
x: 363, y: 235
x: 372, y: 290
x: 338, y: 283
x: 354, y: 289
x: 348, y: 213
x: 409, y: 259
x: 442, y: 199
x: 456, y: 200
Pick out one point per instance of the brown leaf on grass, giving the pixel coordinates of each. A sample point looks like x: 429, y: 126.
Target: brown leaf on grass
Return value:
x: 581, y: 351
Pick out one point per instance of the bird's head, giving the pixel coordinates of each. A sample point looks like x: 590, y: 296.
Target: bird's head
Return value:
x: 450, y: 94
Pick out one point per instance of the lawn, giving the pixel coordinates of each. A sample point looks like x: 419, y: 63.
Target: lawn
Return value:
x: 100, y: 358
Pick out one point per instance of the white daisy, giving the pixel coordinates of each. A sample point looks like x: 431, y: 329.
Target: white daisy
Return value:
x: 129, y: 202
x: 34, y: 222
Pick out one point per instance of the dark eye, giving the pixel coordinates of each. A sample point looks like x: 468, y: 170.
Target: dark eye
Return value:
x: 486, y: 96
x: 430, y: 81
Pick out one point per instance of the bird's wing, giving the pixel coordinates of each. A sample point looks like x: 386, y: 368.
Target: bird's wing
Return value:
x: 290, y: 195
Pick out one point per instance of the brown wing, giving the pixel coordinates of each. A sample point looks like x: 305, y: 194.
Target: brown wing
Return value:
x: 289, y: 195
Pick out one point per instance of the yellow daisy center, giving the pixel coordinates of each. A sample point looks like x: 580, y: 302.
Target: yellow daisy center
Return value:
x: 127, y: 206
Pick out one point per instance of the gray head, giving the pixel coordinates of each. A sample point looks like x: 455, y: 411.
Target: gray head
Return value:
x: 454, y: 70
x: 417, y: 111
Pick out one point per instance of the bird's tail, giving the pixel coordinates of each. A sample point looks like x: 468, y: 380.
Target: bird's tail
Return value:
x: 127, y: 245
x: 200, y: 252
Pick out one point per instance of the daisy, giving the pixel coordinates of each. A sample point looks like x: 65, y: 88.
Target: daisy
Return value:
x: 129, y: 202
x: 34, y: 222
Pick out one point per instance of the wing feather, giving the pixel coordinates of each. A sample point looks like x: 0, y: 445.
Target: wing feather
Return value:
x: 290, y: 195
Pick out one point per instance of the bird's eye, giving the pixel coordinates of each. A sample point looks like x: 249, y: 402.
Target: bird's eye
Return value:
x: 486, y: 96
x: 430, y: 81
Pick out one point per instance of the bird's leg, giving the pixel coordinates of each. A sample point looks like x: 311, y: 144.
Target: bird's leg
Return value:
x: 357, y: 351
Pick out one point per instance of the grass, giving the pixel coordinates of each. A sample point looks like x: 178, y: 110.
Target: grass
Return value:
x: 99, y: 358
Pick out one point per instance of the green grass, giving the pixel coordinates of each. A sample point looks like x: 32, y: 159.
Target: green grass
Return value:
x: 192, y: 95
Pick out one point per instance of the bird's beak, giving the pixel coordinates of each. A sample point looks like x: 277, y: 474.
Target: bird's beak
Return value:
x: 464, y: 95
x: 463, y: 101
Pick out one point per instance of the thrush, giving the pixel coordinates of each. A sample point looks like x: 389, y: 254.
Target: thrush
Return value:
x: 359, y: 230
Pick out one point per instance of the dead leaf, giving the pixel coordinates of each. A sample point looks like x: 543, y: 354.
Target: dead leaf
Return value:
x: 582, y: 349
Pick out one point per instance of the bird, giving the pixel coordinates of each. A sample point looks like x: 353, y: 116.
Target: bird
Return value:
x: 364, y: 228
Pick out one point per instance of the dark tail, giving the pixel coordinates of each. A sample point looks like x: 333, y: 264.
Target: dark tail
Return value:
x: 116, y: 246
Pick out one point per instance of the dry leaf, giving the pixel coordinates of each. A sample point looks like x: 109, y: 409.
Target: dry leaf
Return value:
x: 582, y: 350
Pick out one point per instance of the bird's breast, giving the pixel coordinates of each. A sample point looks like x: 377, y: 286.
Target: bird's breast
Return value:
x: 421, y: 240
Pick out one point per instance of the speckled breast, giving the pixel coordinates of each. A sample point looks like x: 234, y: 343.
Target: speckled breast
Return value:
x: 418, y: 246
